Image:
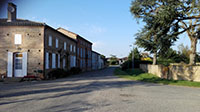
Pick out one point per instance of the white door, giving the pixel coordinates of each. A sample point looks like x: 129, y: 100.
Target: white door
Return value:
x: 18, y: 62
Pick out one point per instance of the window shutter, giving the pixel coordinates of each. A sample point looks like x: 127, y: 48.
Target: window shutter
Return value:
x: 47, y: 61
x: 64, y: 62
x: 10, y: 64
x: 24, y: 64
x: 74, y: 49
x: 65, y: 45
x: 58, y: 60
x: 56, y: 43
x: 50, y: 40
x: 53, y: 60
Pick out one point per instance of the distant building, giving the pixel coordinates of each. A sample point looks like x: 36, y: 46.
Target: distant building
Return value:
x: 122, y: 60
x: 33, y: 48
x: 84, y: 50
x: 98, y: 62
x: 145, y: 57
x: 95, y: 58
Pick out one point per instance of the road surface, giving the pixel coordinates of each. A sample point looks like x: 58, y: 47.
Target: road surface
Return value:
x: 97, y: 91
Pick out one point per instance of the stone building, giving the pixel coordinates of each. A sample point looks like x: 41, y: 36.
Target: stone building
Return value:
x: 98, y: 62
x: 95, y: 58
x: 84, y: 50
x: 32, y: 48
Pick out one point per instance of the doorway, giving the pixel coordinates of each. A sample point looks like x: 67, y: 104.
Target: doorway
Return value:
x: 18, y: 60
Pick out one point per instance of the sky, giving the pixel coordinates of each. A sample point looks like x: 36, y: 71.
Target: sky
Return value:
x: 108, y: 24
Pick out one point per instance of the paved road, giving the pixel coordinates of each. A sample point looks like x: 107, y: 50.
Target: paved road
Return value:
x: 97, y: 91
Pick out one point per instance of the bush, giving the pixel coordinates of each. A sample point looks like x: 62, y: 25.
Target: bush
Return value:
x: 58, y: 73
x: 165, y: 62
x: 113, y: 62
x: 75, y: 70
x: 128, y: 64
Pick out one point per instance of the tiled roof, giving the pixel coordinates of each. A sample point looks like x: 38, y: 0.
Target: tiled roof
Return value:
x: 20, y: 22
x: 74, y: 34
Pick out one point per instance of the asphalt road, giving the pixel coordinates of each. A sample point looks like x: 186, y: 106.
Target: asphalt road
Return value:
x: 97, y: 91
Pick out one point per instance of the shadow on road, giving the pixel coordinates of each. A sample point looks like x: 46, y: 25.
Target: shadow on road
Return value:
x: 80, y: 84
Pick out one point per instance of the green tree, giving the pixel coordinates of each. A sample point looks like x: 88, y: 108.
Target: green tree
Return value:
x: 113, y: 60
x: 173, y: 56
x: 153, y: 36
x: 184, y: 50
x: 174, y: 17
x: 137, y: 55
x: 155, y: 43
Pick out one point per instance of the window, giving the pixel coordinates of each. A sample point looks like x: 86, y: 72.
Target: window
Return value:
x: 71, y: 47
x: 74, y: 61
x: 81, y: 53
x: 56, y: 43
x: 47, y: 60
x: 78, y: 52
x: 58, y: 60
x: 74, y: 49
x: 89, y: 54
x: 81, y: 64
x: 53, y: 60
x: 65, y: 45
x: 71, y: 61
x: 50, y: 40
x: 64, y: 63
x: 18, y: 39
x: 18, y: 64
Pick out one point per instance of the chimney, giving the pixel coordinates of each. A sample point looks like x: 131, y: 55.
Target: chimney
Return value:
x: 12, y: 13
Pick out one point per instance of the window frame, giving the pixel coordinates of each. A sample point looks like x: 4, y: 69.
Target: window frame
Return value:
x: 18, y: 39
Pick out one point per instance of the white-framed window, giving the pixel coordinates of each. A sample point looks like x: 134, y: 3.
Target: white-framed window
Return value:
x: 56, y: 43
x: 58, y: 60
x: 81, y: 53
x: 71, y: 61
x: 18, y: 39
x: 50, y: 40
x: 53, y: 60
x: 47, y: 61
x: 71, y: 48
x: 65, y: 46
x: 64, y: 63
x: 81, y: 64
x: 74, y: 61
x: 74, y: 49
x: 77, y: 51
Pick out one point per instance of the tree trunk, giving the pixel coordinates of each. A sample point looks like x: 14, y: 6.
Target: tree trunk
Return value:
x: 154, y: 58
x: 193, y: 51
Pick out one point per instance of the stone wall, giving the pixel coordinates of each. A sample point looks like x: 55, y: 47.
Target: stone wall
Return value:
x: 175, y: 72
x: 32, y: 43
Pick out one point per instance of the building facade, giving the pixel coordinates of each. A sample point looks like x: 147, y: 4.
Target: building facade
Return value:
x: 83, y: 50
x: 95, y: 58
x: 32, y: 48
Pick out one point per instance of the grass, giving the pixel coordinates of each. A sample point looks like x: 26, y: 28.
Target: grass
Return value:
x: 139, y: 75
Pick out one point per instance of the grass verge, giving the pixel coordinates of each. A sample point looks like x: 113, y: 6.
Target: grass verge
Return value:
x: 139, y: 75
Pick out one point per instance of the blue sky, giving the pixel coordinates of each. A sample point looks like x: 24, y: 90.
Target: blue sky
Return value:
x: 107, y: 23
